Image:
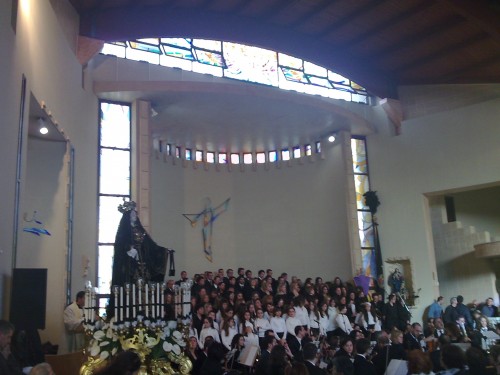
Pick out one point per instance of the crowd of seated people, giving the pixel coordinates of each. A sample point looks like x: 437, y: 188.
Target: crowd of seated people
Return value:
x: 281, y: 316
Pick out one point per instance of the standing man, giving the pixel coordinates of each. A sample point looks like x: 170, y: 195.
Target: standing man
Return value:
x: 8, y: 364
x: 362, y: 365
x: 436, y: 309
x: 464, y: 311
x: 450, y: 313
x: 183, y: 279
x: 73, y: 321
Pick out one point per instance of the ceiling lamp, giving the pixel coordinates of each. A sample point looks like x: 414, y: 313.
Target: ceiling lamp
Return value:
x: 42, y: 127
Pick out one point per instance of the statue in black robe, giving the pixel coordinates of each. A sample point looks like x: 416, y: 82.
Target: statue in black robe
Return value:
x: 136, y: 255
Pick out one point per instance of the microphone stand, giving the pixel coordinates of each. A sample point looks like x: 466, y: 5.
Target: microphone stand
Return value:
x: 404, y: 304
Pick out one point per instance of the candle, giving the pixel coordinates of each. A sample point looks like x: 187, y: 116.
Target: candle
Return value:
x: 115, y: 292
x: 87, y: 302
x: 146, y: 300
x: 133, y: 302
x: 157, y: 299
x: 92, y: 304
x: 187, y: 303
x: 127, y: 299
x: 121, y: 303
x: 139, y: 296
x: 153, y: 306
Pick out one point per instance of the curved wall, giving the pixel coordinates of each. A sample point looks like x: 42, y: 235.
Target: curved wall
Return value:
x: 291, y: 218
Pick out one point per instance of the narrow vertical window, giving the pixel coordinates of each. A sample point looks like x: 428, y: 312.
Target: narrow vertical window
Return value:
x: 365, y: 219
x: 114, y: 182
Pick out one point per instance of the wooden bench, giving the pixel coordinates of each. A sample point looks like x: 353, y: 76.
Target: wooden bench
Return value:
x: 66, y: 364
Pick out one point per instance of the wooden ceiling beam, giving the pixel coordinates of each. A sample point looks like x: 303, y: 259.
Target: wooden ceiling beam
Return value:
x: 450, y: 48
x: 349, y: 18
x: 454, y: 77
x: 480, y: 13
x: 417, y: 38
x: 313, y: 12
x: 387, y: 24
x: 270, y: 11
x: 114, y: 25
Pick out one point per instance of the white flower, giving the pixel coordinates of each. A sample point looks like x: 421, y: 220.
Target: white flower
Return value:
x: 98, y: 335
x: 167, y: 346
x: 176, y: 349
x: 109, y: 333
x: 150, y: 342
x: 95, y: 350
x: 113, y: 352
x: 177, y: 335
x: 104, y: 343
x: 166, y: 333
x: 147, y: 323
x: 104, y: 355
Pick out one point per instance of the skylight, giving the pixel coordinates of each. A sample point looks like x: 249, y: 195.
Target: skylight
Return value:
x: 241, y: 62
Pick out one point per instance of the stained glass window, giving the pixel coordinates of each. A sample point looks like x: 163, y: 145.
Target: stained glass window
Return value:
x: 285, y: 154
x: 210, y: 157
x: 308, y: 150
x: 273, y: 156
x: 249, y: 63
x: 188, y: 154
x: 365, y: 219
x: 242, y: 62
x: 235, y: 158
x: 222, y: 158
x: 296, y: 152
x: 199, y: 155
x: 247, y: 158
x: 260, y: 157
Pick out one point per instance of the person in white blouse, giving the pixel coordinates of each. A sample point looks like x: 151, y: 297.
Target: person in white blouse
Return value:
x: 301, y: 312
x: 332, y: 315
x: 278, y: 325
x: 228, y: 331
x: 314, y: 317
x: 250, y: 337
x: 246, y: 321
x: 208, y: 330
x: 367, y: 319
x: 292, y: 322
x: 261, y: 324
x: 323, y: 319
x: 216, y: 325
x: 342, y: 320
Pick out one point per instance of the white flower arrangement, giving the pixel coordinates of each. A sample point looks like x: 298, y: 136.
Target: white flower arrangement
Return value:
x: 106, y: 339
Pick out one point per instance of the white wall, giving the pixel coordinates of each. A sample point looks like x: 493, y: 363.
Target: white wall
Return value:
x: 480, y: 209
x: 40, y: 51
x: 46, y: 192
x: 448, y: 150
x: 289, y: 219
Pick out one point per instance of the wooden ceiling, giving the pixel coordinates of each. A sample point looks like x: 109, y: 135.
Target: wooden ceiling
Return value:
x: 380, y: 44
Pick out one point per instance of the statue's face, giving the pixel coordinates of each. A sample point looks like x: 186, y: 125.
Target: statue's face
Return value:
x: 133, y: 217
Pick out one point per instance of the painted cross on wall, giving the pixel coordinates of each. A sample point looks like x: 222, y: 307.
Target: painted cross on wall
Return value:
x: 208, y: 217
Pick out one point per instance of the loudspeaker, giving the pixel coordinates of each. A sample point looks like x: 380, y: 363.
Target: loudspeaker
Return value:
x: 29, y: 298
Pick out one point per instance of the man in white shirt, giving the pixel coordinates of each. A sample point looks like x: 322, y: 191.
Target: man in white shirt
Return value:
x: 73, y: 321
